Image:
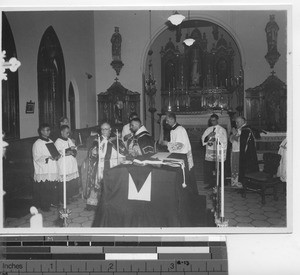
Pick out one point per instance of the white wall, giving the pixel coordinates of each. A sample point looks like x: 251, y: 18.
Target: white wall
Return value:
x: 75, y: 33
x: 85, y: 40
x: 247, y: 27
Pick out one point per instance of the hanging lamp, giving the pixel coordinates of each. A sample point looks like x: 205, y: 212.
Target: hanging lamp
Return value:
x: 176, y: 18
x: 188, y: 40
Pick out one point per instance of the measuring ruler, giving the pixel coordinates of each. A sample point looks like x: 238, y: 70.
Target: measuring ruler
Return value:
x: 87, y: 255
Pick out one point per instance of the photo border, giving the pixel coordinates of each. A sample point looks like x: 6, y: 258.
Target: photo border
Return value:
x: 180, y: 231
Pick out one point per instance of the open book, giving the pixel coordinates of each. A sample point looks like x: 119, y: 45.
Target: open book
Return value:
x: 52, y: 150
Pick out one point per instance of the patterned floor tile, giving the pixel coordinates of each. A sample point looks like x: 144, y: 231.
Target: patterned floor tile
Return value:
x: 74, y: 215
x: 232, y: 222
x: 242, y: 213
x: 272, y: 214
x: 261, y: 223
x: 230, y: 215
x: 78, y: 209
x: 258, y: 217
x: 53, y: 217
x: 275, y: 221
x: 80, y: 219
x: 228, y: 204
x: 86, y: 214
x: 244, y: 220
x: 229, y: 209
x: 269, y: 208
x: 254, y: 205
x: 241, y: 207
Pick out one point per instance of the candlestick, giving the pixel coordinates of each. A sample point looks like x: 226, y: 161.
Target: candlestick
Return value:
x: 169, y: 103
x: 226, y: 83
x: 99, y: 158
x: 64, y: 179
x: 80, y: 141
x: 222, y: 182
x: 217, y: 142
x: 117, y: 147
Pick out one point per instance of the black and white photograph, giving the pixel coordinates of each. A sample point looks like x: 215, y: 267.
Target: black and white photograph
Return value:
x: 146, y: 118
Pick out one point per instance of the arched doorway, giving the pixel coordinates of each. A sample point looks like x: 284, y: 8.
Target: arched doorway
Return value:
x: 72, y: 106
x: 51, y: 79
x: 213, y: 63
x: 10, y: 87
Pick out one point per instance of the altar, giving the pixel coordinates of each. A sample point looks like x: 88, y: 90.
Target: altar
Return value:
x: 195, y: 123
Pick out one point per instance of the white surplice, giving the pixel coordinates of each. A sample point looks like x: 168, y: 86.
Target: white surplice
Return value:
x: 211, y: 145
x: 180, y: 143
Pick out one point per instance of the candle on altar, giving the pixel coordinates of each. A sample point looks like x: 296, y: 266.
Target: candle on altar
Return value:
x: 117, y: 147
x: 226, y: 82
x: 80, y: 140
x: 64, y: 179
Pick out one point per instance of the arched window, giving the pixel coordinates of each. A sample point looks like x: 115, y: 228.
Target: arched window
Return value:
x: 72, y: 107
x: 10, y: 87
x: 51, y: 79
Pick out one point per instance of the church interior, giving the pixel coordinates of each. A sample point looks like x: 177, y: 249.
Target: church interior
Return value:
x: 93, y: 66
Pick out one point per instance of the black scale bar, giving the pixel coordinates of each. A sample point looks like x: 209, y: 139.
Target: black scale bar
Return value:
x: 114, y: 266
x: 34, y: 255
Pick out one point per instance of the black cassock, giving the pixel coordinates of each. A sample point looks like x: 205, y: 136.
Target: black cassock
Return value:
x: 248, y: 155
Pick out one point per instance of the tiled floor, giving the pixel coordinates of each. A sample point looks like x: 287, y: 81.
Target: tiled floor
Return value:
x: 241, y: 212
x: 249, y: 211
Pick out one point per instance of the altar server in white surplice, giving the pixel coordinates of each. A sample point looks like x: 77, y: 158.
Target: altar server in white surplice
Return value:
x: 282, y: 166
x: 179, y: 140
x: 45, y: 189
x: 209, y: 140
x: 72, y: 176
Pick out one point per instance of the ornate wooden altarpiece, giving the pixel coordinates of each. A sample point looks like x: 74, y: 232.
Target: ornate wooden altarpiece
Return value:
x: 199, y: 79
x: 266, y: 105
x: 116, y: 104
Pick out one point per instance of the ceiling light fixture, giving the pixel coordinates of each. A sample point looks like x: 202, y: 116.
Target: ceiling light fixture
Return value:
x: 176, y: 18
x: 188, y: 40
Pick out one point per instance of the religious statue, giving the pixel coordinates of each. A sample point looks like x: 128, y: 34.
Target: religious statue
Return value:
x: 118, y: 111
x: 271, y: 29
x: 116, y: 41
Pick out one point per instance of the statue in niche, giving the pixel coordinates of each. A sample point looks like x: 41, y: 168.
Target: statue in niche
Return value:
x: 118, y: 111
x: 116, y: 41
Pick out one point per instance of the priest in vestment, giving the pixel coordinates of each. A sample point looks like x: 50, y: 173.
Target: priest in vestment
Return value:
x: 92, y: 170
x: 126, y: 132
x: 141, y: 143
x: 209, y: 140
x: 248, y: 157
